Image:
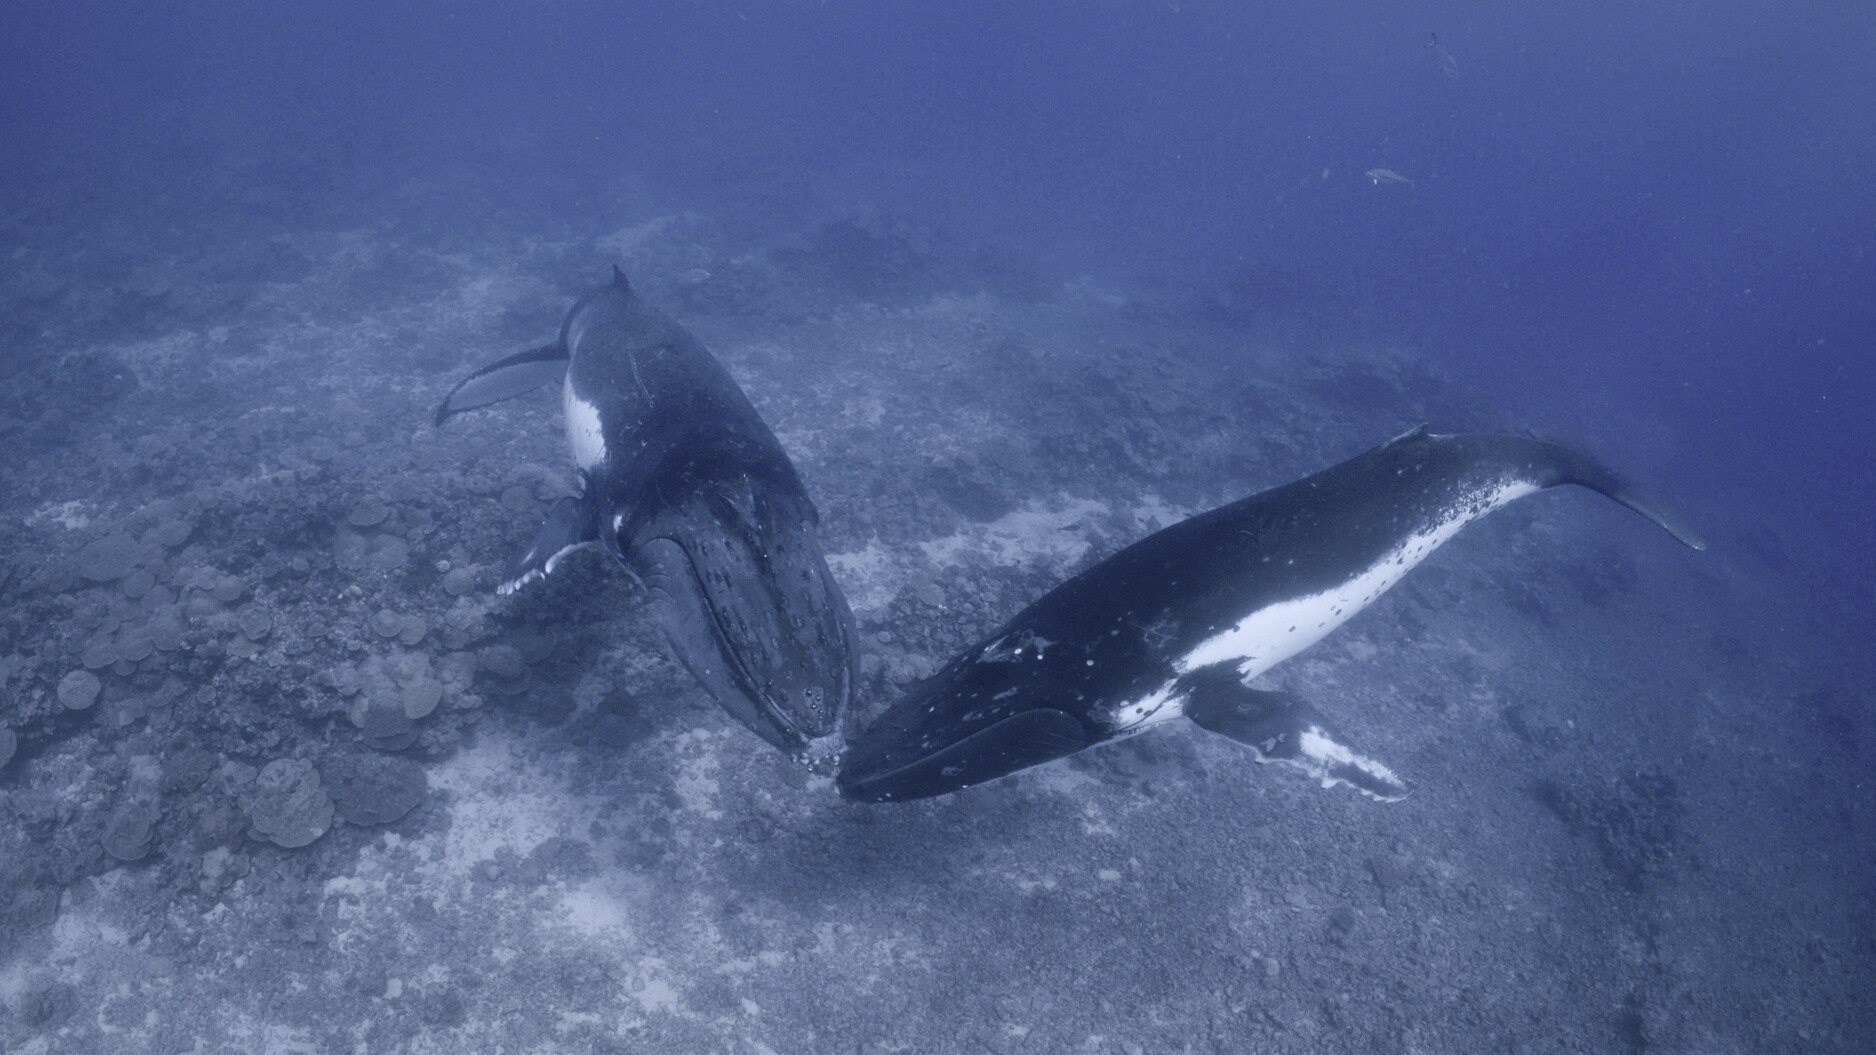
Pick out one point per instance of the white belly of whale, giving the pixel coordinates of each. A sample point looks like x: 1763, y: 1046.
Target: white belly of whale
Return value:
x: 1274, y: 633
x: 584, y: 434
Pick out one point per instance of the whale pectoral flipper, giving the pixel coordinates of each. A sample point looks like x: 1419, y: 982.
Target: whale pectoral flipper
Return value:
x: 1281, y: 728
x: 516, y: 375
x: 570, y: 524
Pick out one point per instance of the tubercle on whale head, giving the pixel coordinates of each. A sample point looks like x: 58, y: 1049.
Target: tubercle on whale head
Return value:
x: 809, y: 724
x: 798, y: 704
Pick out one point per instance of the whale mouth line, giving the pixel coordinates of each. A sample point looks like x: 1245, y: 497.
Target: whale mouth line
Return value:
x: 885, y: 772
x: 790, y: 736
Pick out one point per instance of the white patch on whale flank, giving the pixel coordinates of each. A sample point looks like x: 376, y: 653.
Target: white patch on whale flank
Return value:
x: 1274, y: 633
x: 584, y: 433
x: 1160, y: 705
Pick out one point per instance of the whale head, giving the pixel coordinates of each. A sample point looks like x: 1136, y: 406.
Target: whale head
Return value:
x: 745, y: 597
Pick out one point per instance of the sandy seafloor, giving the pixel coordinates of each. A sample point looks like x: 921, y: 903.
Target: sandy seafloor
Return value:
x: 1637, y: 823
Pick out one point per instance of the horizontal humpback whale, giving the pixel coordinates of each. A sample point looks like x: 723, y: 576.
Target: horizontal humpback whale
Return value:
x: 683, y: 483
x: 1179, y: 623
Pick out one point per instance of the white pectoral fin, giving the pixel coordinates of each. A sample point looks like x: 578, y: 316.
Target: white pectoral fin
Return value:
x: 1280, y: 728
x: 570, y: 524
x: 518, y: 374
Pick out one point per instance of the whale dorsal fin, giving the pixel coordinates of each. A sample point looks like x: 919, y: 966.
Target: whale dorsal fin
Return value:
x: 619, y: 279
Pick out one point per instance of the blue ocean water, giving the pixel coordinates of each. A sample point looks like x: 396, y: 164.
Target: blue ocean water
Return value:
x: 1661, y: 203
x: 1213, y: 245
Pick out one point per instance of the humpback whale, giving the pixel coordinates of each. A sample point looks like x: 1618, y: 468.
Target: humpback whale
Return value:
x: 1179, y: 623
x: 687, y: 487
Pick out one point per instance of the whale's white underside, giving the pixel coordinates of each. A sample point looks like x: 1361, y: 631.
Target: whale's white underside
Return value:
x: 1267, y: 636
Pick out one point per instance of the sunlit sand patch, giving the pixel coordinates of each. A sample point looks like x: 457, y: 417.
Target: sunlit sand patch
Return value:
x: 872, y: 576
x: 1361, y: 650
x: 1047, y: 531
x: 696, y: 783
x: 502, y: 801
x: 1042, y: 531
x: 1155, y: 512
x: 1077, y: 786
x: 245, y: 1034
x: 71, y: 515
x: 631, y: 242
x: 487, y: 295
x: 1030, y: 883
x: 654, y: 992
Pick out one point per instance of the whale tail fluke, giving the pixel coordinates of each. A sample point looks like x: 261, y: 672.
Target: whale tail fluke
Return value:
x: 1584, y: 471
x: 1545, y: 464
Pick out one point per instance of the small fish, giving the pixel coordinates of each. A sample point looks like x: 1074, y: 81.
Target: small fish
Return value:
x: 1380, y: 176
x: 1442, y: 58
